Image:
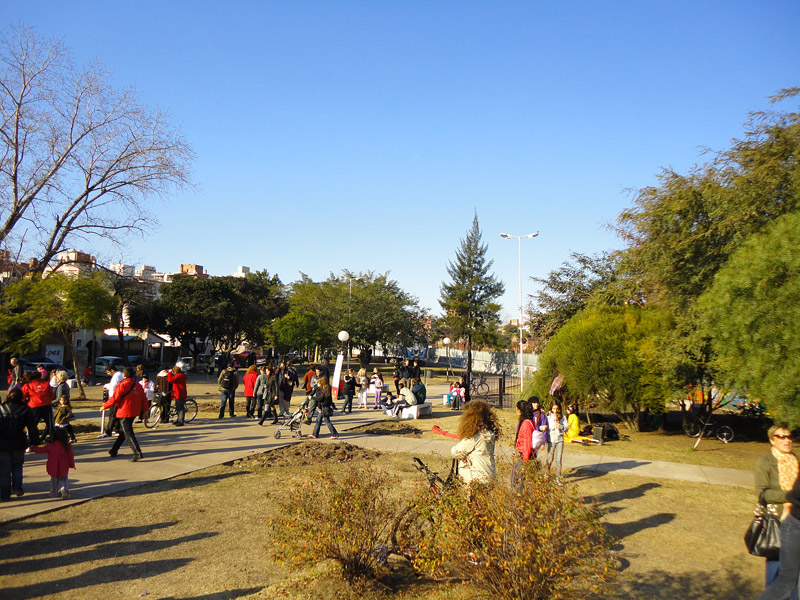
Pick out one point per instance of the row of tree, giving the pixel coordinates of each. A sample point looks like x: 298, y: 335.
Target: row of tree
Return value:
x: 703, y: 295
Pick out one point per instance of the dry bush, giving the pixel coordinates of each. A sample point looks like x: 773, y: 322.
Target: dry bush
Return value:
x: 345, y: 515
x: 538, y: 542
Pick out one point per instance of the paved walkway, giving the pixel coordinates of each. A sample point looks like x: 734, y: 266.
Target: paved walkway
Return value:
x: 171, y: 451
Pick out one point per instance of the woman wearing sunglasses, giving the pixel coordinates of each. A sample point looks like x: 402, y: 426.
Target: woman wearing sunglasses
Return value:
x: 775, y: 475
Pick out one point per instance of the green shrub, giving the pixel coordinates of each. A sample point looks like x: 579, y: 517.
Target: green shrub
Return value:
x: 344, y: 515
x: 536, y: 543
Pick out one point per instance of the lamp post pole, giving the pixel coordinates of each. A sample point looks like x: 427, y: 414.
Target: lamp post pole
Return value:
x: 519, y: 239
x: 349, y: 302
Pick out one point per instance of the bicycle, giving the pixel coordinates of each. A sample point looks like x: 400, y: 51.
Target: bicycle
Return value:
x: 413, y: 524
x: 479, y: 388
x: 709, y: 428
x: 153, y: 415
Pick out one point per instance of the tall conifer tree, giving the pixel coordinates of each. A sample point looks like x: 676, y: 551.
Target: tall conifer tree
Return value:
x: 469, y: 300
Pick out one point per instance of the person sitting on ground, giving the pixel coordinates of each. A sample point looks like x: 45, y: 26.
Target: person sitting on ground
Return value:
x: 478, y: 431
x: 573, y: 434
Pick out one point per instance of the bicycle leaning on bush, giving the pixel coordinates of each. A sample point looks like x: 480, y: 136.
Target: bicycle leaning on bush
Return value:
x: 413, y: 524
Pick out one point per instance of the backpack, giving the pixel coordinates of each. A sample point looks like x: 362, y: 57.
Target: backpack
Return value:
x: 421, y: 394
x: 226, y: 382
x: 538, y: 437
x: 9, y: 422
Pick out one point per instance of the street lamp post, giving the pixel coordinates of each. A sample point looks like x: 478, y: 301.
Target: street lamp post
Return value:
x: 446, y: 342
x: 350, y: 279
x: 519, y: 239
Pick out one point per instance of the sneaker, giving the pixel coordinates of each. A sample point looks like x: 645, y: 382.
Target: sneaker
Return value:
x: 136, y: 458
x: 64, y: 494
x: 112, y: 453
x: 19, y: 493
x: 102, y: 435
x: 312, y: 437
x: 335, y: 437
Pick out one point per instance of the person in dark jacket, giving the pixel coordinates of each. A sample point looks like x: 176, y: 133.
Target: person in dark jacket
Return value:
x: 267, y: 395
x: 348, y: 390
x: 15, y: 418
x: 321, y: 395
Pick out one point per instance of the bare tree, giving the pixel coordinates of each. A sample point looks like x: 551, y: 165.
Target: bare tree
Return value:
x: 77, y: 157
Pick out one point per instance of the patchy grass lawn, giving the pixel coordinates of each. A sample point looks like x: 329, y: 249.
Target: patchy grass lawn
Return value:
x: 205, y: 535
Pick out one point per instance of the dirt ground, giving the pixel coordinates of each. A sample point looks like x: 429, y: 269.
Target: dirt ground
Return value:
x: 205, y: 535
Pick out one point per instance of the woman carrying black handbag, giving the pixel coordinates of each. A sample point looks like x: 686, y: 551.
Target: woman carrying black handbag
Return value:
x: 775, y: 475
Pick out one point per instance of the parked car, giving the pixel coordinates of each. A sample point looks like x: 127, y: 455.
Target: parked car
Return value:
x: 101, y: 362
x: 149, y: 364
x: 29, y: 367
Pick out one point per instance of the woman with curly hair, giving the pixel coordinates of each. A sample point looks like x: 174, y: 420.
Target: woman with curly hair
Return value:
x: 477, y: 431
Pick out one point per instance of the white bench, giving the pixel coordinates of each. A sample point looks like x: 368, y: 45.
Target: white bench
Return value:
x: 416, y: 411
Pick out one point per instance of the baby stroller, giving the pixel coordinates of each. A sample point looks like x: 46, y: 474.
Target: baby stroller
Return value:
x: 293, y: 423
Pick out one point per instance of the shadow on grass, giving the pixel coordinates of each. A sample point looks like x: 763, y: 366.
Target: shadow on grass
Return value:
x: 185, y: 481
x: 719, y: 585
x: 100, y: 552
x: 101, y: 575
x: 6, y: 528
x: 63, y: 543
x: 226, y: 595
x: 622, y: 530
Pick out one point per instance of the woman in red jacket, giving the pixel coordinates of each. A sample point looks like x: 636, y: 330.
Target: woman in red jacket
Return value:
x: 129, y: 398
x: 38, y: 394
x: 249, y: 381
x: 178, y: 380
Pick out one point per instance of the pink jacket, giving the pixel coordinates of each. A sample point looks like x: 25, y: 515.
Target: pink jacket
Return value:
x: 59, y: 459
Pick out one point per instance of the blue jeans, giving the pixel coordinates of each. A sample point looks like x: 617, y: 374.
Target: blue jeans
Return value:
x: 320, y: 418
x: 786, y: 581
x: 226, y: 397
x: 11, y: 462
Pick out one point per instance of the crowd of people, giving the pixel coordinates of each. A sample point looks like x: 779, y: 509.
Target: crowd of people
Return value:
x: 39, y: 397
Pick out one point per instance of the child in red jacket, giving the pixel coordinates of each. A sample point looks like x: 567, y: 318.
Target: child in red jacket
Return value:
x: 59, y: 461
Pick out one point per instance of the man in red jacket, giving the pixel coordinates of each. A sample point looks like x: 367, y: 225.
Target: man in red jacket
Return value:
x: 178, y: 380
x: 38, y: 394
x: 130, y: 400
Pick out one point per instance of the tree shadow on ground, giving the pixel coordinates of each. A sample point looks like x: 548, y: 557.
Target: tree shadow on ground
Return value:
x: 101, y: 575
x: 720, y: 584
x: 226, y: 595
x: 64, y: 543
x: 622, y: 530
x: 117, y: 549
x: 7, y: 528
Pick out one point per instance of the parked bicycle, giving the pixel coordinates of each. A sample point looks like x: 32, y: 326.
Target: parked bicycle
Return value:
x: 479, y: 387
x: 709, y: 428
x: 153, y: 416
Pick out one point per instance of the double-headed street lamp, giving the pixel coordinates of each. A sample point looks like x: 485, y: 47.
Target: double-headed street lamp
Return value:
x: 519, y: 239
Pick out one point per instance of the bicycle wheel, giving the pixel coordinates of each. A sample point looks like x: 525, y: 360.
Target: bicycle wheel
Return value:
x: 152, y: 417
x: 409, y: 529
x: 692, y: 430
x: 189, y: 410
x: 483, y: 389
x: 277, y: 434
x: 724, y: 433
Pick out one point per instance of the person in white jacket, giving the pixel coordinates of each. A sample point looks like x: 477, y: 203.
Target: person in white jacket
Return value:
x: 477, y: 433
x: 556, y: 428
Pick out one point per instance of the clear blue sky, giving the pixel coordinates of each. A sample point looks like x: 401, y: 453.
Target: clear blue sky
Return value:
x: 362, y: 135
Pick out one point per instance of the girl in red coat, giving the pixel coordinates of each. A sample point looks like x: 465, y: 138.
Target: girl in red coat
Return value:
x: 249, y: 381
x: 59, y: 461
